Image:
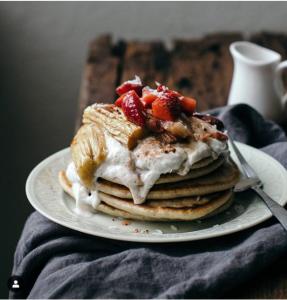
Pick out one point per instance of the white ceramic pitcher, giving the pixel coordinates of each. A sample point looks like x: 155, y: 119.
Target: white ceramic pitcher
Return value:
x: 257, y: 80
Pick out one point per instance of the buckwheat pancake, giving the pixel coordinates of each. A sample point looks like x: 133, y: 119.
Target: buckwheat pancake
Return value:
x: 167, y: 213
x: 221, y: 179
x: 191, y: 201
x: 203, y: 167
x: 114, y: 206
x: 123, y: 214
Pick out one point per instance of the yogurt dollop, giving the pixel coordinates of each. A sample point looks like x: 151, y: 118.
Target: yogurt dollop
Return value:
x: 140, y: 168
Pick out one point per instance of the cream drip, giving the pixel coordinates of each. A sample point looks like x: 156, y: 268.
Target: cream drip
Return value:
x: 138, y: 170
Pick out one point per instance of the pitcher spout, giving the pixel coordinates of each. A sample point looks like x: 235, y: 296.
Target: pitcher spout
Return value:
x: 253, y: 54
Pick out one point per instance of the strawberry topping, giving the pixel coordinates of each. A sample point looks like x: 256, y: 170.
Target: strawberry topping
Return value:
x: 133, y: 108
x: 131, y: 85
x: 188, y: 105
x: 148, y: 96
x: 119, y: 101
x: 166, y: 108
x: 162, y: 111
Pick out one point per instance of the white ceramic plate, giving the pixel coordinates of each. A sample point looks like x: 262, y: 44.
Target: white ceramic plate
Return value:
x: 46, y: 195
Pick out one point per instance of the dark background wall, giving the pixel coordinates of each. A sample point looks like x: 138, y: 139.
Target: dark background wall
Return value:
x: 42, y: 51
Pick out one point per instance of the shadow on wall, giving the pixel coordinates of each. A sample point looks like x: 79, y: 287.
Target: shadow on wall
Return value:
x: 38, y: 104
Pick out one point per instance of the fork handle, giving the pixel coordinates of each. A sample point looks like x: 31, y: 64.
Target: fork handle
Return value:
x: 277, y: 210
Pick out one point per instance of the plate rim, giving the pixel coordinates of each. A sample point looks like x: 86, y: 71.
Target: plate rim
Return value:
x: 141, y: 238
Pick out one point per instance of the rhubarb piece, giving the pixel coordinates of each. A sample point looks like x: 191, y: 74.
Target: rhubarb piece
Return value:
x: 113, y: 120
x: 211, y: 120
x: 203, y: 130
x: 131, y: 85
x: 178, y: 129
x: 153, y: 124
x: 133, y: 108
x: 188, y: 105
x: 88, y: 150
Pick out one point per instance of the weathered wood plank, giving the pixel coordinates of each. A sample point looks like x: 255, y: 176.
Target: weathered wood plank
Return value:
x: 203, y: 68
x: 149, y: 60
x: 99, y: 76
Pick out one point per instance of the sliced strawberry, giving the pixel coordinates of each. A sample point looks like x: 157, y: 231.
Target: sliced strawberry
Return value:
x: 188, y: 105
x: 166, y: 108
x: 147, y: 100
x: 133, y: 108
x: 119, y: 101
x: 161, y: 87
x: 130, y: 85
x: 148, y: 96
x: 165, y: 90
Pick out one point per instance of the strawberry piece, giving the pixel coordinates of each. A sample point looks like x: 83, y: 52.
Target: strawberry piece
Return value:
x: 147, y: 100
x: 165, y: 90
x: 188, y: 105
x: 166, y: 108
x: 133, y: 108
x: 131, y: 85
x: 148, y: 96
x: 161, y: 88
x: 119, y: 101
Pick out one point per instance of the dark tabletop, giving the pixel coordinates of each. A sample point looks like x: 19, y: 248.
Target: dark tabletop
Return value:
x: 199, y: 67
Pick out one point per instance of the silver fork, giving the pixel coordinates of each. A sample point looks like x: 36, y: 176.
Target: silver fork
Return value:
x: 252, y: 181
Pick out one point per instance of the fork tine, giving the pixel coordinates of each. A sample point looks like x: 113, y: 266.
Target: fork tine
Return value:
x: 246, y: 168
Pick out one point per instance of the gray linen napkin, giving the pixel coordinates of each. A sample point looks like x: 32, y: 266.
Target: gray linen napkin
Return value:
x: 56, y: 262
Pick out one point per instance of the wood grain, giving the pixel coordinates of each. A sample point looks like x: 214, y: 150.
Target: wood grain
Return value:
x: 149, y: 60
x: 201, y: 68
x: 99, y: 76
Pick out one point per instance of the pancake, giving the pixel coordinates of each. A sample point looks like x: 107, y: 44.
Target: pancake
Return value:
x: 199, y: 169
x: 167, y: 213
x: 221, y: 179
x: 124, y: 208
x: 181, y: 202
x: 123, y: 214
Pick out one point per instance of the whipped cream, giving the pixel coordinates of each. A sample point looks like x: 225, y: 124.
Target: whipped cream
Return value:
x: 86, y: 200
x: 136, y: 80
x: 140, y: 168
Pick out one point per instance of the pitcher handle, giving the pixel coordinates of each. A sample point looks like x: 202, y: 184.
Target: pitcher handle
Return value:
x: 279, y: 86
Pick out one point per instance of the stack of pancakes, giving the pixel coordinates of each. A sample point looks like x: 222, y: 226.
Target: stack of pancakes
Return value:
x: 205, y: 191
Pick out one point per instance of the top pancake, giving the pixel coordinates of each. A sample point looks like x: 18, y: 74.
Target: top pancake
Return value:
x: 223, y: 178
x: 203, y: 167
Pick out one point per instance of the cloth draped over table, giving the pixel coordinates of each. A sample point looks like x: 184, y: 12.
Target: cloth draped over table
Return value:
x: 57, y: 262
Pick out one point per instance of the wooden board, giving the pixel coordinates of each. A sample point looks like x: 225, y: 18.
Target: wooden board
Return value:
x: 201, y: 68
